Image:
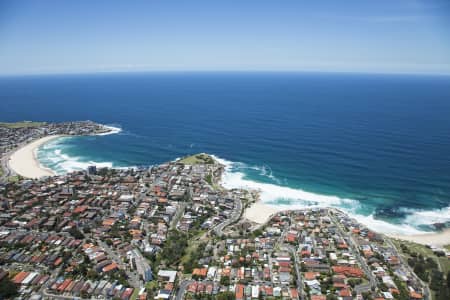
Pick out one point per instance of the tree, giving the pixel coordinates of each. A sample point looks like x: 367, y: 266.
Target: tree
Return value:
x: 91, y: 274
x: 174, y: 247
x: 437, y: 279
x: 190, y: 264
x: 354, y: 281
x: 431, y: 263
x: 404, y: 294
x: 420, y: 270
x: 76, y: 233
x: 225, y: 280
x: 448, y: 279
x: 226, y: 296
x: 7, y: 289
x: 443, y: 293
x: 411, y: 262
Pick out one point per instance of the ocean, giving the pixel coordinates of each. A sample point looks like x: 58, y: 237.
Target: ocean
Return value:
x: 376, y: 146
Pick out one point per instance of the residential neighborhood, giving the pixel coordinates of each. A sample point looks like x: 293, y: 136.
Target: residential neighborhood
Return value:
x: 171, y: 231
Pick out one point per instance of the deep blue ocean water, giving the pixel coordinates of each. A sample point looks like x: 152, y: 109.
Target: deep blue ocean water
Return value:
x: 376, y: 145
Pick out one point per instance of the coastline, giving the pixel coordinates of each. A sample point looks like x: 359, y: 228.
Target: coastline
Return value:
x: 260, y: 213
x: 25, y: 163
x: 438, y: 239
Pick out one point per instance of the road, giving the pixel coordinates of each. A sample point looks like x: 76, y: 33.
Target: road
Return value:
x: 235, y: 215
x: 361, y: 288
x: 62, y: 297
x: 354, y: 248
x: 292, y: 250
x: 182, y: 289
x: 5, y: 166
x: 133, y: 278
x: 179, y: 213
x: 425, y: 286
x: 299, y: 282
x: 373, y: 282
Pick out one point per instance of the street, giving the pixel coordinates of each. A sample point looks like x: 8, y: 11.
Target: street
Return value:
x: 133, y: 278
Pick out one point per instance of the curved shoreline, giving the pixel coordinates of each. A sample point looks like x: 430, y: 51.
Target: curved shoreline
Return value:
x: 260, y: 213
x: 439, y: 239
x: 25, y: 163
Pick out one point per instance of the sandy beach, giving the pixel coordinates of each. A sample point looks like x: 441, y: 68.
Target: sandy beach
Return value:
x: 25, y: 163
x: 438, y: 239
x: 260, y: 213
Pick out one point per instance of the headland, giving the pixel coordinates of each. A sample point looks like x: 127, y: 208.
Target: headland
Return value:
x: 178, y: 219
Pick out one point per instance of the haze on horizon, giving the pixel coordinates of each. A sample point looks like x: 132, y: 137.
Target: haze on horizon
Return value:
x: 404, y: 36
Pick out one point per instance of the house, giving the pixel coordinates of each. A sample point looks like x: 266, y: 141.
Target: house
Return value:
x: 239, y: 292
x: 167, y: 275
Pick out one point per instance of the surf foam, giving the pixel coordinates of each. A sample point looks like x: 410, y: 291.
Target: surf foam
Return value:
x: 284, y: 197
x: 113, y: 130
x: 52, y: 156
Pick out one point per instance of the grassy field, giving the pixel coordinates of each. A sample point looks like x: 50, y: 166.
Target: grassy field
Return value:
x: 196, y: 159
x: 192, y: 247
x: 13, y: 178
x: 426, y: 252
x: 135, y: 294
x: 22, y: 124
x: 443, y: 262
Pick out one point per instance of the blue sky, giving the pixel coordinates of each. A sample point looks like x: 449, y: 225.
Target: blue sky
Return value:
x: 401, y: 36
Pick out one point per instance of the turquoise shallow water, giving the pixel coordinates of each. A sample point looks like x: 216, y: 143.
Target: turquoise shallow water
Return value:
x: 375, y: 145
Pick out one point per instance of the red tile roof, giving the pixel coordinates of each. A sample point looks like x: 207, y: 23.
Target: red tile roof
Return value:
x: 239, y: 292
x: 349, y: 271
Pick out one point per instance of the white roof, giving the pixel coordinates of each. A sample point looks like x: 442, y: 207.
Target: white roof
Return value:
x: 283, y: 258
x: 162, y: 294
x: 212, y: 271
x: 169, y: 274
x: 29, y: 278
x: 312, y: 282
x: 255, y: 291
x: 126, y: 197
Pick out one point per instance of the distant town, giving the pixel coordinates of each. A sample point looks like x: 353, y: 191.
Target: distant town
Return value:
x: 171, y: 231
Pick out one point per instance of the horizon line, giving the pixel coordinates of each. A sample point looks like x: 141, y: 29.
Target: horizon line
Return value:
x: 118, y: 72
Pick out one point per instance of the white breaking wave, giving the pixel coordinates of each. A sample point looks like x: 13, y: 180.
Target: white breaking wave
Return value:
x: 51, y: 156
x: 428, y: 216
x: 62, y: 163
x: 114, y: 130
x: 386, y: 227
x: 264, y: 170
x: 283, y: 197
